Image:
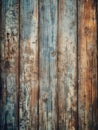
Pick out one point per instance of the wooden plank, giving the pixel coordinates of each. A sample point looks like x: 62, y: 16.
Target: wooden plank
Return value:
x: 28, y: 64
x: 47, y: 64
x: 9, y: 39
x: 67, y: 65
x: 87, y: 50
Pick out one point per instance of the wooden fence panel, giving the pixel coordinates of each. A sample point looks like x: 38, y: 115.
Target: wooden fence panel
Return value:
x: 47, y: 64
x: 9, y: 37
x: 87, y: 50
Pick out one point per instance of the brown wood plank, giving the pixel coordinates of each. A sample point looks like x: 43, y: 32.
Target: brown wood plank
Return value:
x: 48, y: 64
x: 67, y: 65
x: 9, y: 39
x: 87, y: 50
x: 28, y: 64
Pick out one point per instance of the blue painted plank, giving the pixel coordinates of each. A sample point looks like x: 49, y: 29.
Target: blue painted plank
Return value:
x: 48, y: 64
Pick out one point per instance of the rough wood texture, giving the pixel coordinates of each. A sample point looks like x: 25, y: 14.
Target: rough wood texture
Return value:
x: 67, y: 63
x: 28, y: 64
x: 47, y: 64
x: 87, y: 35
x: 9, y: 39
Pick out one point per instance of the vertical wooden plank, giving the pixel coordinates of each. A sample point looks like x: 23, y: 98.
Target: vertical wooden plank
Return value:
x: 9, y: 39
x: 67, y: 63
x: 28, y: 64
x: 87, y: 32
x: 47, y: 64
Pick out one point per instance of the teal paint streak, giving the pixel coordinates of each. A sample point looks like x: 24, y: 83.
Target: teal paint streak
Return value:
x: 27, y: 10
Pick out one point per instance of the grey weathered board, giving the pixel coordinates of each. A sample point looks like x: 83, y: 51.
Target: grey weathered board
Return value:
x: 67, y: 65
x: 28, y: 99
x: 48, y: 65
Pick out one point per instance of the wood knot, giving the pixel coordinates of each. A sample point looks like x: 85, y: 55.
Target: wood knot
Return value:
x: 87, y: 31
x: 45, y: 98
x: 7, y: 65
x: 53, y: 53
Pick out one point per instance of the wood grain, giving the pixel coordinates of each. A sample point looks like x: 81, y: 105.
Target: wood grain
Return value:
x: 28, y: 65
x: 9, y: 38
x: 67, y: 65
x: 87, y: 35
x: 47, y: 64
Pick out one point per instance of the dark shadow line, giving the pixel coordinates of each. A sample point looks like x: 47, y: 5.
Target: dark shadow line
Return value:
x: 77, y: 67
x: 0, y: 64
x: 97, y: 51
x: 57, y: 67
x: 38, y: 64
x: 18, y: 92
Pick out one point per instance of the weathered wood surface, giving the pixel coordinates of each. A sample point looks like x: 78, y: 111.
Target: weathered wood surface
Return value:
x: 28, y: 103
x: 67, y: 65
x: 9, y: 38
x: 87, y: 50
x: 48, y: 65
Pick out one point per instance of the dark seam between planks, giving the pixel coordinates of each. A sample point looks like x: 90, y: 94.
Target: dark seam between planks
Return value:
x: 77, y: 67
x: 19, y: 70
x: 93, y: 112
x: 0, y: 65
x: 97, y: 47
x: 38, y: 61
x: 97, y: 57
x: 57, y: 69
